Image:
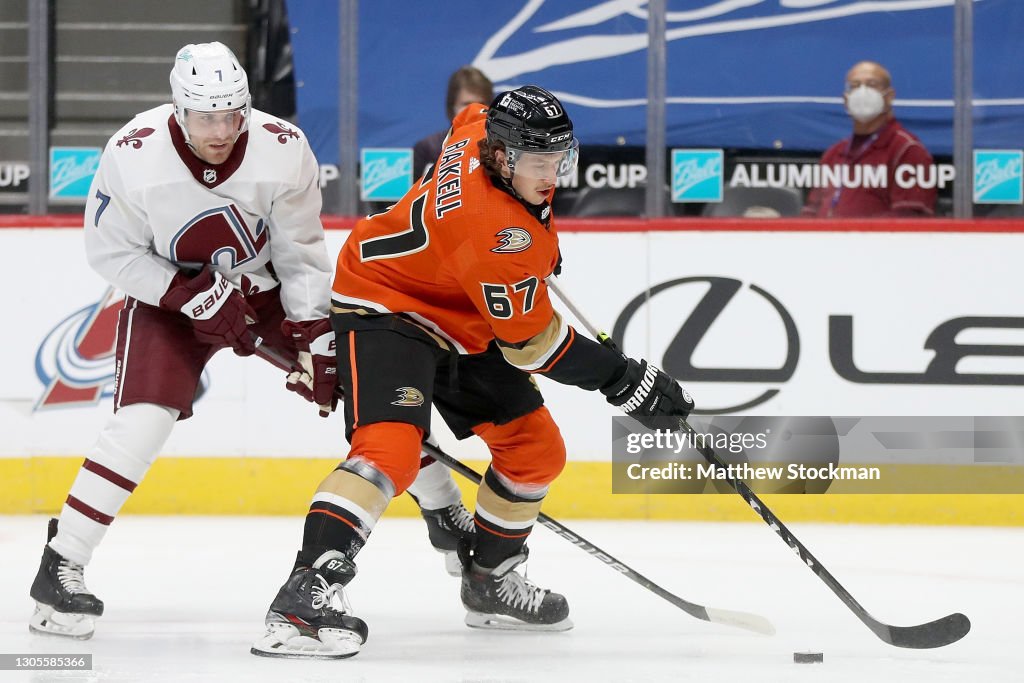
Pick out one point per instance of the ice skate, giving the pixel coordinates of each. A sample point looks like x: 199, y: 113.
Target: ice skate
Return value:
x: 64, y: 606
x: 310, y: 617
x: 446, y: 527
x: 501, y: 598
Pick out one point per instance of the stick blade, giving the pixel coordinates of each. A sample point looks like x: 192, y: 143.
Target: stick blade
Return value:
x: 938, y: 633
x: 744, y: 620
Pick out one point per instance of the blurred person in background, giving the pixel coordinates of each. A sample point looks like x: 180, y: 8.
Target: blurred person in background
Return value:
x: 467, y: 85
x: 878, y: 139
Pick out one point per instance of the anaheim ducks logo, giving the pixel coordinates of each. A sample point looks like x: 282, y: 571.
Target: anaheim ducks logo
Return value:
x: 513, y: 240
x: 408, y: 396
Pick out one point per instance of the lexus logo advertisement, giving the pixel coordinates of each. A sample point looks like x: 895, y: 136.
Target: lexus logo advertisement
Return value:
x: 701, y: 309
x: 75, y: 361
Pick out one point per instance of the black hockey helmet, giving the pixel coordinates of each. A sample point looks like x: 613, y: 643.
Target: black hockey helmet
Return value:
x: 530, y: 120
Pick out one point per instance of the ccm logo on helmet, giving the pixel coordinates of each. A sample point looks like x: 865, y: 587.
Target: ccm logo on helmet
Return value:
x: 513, y: 240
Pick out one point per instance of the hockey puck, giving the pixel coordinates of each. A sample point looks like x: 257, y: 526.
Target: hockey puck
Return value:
x: 808, y: 657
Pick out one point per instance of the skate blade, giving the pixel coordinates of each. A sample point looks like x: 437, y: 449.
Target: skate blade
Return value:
x: 500, y: 622
x: 285, y: 641
x: 49, y: 622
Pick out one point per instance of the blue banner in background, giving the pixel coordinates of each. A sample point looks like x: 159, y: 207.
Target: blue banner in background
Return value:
x: 315, y: 50
x: 750, y: 74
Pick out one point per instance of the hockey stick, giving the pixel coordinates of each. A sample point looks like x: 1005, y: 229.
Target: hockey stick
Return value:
x: 938, y: 633
x: 744, y: 620
x: 751, y: 622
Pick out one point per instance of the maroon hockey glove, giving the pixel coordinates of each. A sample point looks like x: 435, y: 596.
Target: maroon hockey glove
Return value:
x: 645, y: 393
x: 220, y: 315
x: 315, y: 375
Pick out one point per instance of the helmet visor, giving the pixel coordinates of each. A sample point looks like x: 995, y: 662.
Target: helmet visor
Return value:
x: 544, y: 165
x: 213, y: 123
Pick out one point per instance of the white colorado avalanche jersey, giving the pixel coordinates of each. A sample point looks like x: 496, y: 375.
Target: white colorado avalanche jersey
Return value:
x: 154, y: 205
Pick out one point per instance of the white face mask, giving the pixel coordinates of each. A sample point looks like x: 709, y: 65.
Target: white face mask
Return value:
x: 864, y: 103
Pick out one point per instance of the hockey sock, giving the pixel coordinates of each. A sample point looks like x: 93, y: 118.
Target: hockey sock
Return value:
x: 434, y: 487
x: 344, y: 510
x: 504, y: 518
x: 124, y: 451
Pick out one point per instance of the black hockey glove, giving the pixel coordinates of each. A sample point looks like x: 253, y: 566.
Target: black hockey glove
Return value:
x: 646, y: 394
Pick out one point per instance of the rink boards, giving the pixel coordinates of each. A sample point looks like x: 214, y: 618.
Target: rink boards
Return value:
x: 283, y: 486
x: 874, y: 319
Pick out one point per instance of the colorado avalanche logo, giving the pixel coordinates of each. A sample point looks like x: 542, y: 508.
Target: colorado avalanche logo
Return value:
x: 134, y: 137
x: 224, y: 235
x: 513, y: 240
x: 283, y: 132
x: 75, y: 362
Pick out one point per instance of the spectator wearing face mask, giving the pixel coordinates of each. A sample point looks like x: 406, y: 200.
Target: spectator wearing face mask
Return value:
x: 878, y: 140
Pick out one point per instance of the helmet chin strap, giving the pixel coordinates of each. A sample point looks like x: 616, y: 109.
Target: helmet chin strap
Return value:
x: 508, y: 182
x: 510, y: 186
x: 511, y: 175
x: 179, y: 118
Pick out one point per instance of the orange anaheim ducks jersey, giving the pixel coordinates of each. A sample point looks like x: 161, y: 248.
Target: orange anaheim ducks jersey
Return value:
x: 458, y: 254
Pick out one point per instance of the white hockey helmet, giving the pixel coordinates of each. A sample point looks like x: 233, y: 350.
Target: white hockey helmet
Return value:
x: 208, y: 78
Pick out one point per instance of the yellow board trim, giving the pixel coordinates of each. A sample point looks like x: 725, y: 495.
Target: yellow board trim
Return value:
x: 284, y: 486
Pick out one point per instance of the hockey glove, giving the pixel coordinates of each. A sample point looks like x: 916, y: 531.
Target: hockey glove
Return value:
x: 220, y: 315
x: 646, y: 394
x: 315, y: 374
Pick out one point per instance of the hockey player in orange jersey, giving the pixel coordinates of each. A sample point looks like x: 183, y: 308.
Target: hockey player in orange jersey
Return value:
x: 441, y: 301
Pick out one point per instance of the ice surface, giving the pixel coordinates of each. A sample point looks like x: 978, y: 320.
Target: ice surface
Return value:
x: 185, y: 597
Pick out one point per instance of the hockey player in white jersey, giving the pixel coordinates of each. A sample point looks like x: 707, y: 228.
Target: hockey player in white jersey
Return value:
x: 206, y: 214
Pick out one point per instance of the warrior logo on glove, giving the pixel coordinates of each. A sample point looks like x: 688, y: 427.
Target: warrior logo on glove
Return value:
x: 645, y: 393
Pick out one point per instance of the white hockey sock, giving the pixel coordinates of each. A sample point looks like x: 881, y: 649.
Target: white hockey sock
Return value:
x: 124, y: 450
x: 435, y: 488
